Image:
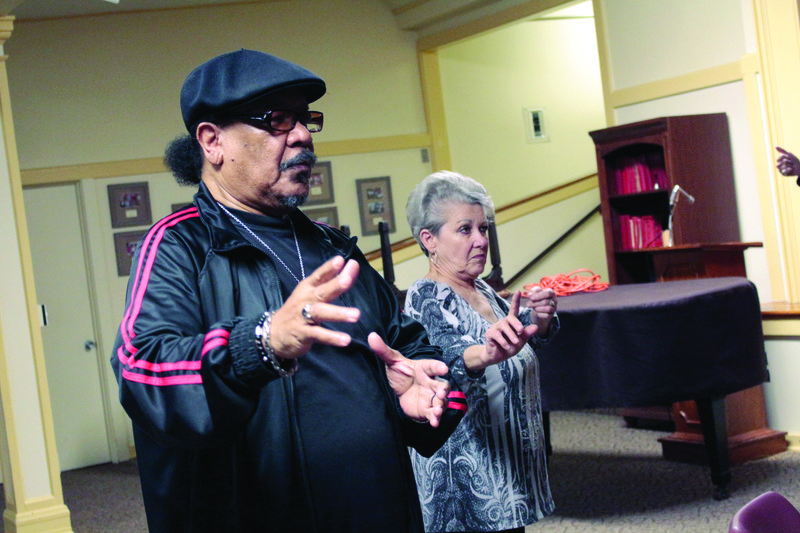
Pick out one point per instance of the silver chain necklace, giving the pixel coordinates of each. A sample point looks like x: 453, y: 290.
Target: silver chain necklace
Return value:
x: 265, y: 245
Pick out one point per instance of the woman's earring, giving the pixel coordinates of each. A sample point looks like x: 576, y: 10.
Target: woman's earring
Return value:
x: 433, y: 257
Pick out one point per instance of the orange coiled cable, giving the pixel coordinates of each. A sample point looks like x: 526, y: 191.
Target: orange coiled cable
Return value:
x: 575, y: 281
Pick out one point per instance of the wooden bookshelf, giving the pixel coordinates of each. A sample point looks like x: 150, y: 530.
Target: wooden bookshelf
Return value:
x: 690, y: 151
x: 638, y: 167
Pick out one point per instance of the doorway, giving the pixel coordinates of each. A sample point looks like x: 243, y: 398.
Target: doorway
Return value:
x: 68, y: 333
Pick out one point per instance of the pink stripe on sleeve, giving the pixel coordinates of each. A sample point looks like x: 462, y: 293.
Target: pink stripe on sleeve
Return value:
x: 192, y: 379
x: 166, y: 367
x: 210, y: 345
x: 456, y: 405
x: 143, y: 269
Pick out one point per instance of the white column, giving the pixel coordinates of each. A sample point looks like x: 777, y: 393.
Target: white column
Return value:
x: 31, y: 475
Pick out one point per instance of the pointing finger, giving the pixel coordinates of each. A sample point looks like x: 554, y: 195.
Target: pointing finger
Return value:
x: 514, y: 308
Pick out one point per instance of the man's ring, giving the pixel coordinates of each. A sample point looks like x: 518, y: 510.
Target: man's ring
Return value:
x: 307, y: 314
x: 552, y: 303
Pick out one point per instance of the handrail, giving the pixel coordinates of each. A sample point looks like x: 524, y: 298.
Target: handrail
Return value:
x: 552, y: 246
x: 410, y: 241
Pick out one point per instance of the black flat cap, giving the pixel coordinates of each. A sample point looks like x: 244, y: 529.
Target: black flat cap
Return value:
x: 236, y: 78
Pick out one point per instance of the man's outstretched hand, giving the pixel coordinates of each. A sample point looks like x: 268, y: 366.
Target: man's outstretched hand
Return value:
x: 299, y: 323
x: 422, y: 396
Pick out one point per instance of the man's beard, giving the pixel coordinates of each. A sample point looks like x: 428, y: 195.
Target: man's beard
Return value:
x: 307, y: 157
x: 293, y: 201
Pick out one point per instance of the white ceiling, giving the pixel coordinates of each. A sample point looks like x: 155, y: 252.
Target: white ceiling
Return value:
x: 39, y: 9
x: 409, y: 14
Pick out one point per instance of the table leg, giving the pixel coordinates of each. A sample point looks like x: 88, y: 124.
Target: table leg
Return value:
x: 548, y: 446
x: 715, y: 434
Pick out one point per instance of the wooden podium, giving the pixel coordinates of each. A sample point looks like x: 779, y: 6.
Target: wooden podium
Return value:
x: 749, y: 436
x: 686, y: 261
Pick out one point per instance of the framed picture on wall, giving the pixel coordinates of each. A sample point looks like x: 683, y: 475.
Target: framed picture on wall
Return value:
x: 325, y: 215
x: 320, y: 190
x: 125, y: 245
x: 375, y: 204
x: 129, y: 204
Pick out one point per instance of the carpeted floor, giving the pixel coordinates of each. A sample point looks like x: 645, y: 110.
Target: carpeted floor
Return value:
x: 105, y: 499
x: 608, y: 478
x: 605, y: 478
x: 102, y: 499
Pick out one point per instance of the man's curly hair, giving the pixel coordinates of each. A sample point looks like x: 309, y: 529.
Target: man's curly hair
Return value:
x: 184, y: 157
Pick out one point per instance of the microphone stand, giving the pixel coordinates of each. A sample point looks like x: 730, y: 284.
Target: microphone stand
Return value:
x: 673, y: 202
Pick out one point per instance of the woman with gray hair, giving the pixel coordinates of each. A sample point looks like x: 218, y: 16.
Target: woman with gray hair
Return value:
x: 491, y: 474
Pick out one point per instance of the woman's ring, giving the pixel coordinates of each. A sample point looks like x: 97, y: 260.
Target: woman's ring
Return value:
x: 307, y: 314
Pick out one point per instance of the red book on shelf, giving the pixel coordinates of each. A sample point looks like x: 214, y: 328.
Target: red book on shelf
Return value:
x: 627, y: 179
x: 620, y: 180
x: 655, y: 161
x: 644, y: 181
x: 625, y: 232
x: 653, y: 233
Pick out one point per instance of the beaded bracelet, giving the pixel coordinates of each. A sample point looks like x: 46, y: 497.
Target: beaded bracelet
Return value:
x: 266, y: 352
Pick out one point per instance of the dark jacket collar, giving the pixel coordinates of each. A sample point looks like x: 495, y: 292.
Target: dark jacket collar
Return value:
x: 225, y: 236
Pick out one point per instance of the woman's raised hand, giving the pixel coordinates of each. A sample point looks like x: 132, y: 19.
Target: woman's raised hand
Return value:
x: 507, y: 336
x: 543, y: 306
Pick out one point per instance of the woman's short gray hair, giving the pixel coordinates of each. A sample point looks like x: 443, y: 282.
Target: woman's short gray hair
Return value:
x: 425, y: 206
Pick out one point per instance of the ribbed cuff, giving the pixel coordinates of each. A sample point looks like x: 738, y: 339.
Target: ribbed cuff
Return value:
x: 246, y: 359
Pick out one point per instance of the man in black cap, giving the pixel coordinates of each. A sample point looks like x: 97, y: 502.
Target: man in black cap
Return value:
x: 272, y: 381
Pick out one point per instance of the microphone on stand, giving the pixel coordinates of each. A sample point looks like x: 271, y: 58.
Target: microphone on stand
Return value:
x: 673, y: 198
x: 673, y: 201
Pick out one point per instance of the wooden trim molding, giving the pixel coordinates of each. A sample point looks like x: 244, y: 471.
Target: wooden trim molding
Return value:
x: 433, y: 100
x: 375, y: 144
x: 539, y: 201
x: 75, y: 173
x: 155, y: 165
x: 685, y: 83
x: 780, y: 319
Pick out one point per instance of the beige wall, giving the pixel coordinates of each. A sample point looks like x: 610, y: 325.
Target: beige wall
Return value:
x: 489, y: 80
x: 651, y: 40
x: 487, y: 83
x: 106, y: 88
x: 119, y: 101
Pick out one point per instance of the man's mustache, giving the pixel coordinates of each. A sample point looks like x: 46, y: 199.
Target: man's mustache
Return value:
x: 304, y: 158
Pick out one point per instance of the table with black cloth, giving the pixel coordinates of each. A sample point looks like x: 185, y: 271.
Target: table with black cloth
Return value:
x: 653, y: 344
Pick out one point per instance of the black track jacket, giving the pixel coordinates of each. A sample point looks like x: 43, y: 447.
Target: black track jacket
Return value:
x: 218, y: 444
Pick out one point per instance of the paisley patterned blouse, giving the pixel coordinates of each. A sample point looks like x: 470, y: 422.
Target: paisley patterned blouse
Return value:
x: 491, y: 473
